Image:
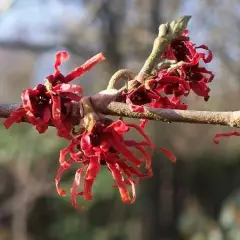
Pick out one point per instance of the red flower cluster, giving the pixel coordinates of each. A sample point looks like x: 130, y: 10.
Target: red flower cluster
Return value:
x: 51, y: 103
x: 103, y: 145
x: 166, y: 89
x: 100, y: 142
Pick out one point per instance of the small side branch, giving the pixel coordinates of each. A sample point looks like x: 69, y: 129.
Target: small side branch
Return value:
x: 167, y: 33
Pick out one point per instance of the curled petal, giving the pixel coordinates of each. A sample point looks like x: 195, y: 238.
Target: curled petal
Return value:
x: 143, y: 123
x: 77, y: 72
x: 120, y: 183
x: 64, y: 88
x: 136, y: 108
x: 130, y: 170
x: 46, y: 114
x: 201, y: 89
x: 63, y: 128
x: 59, y: 59
x: 72, y: 96
x: 205, y: 58
x: 104, y: 146
x: 210, y: 76
x: 63, y: 154
x: 178, y: 104
x: 85, y: 143
x: 221, y: 135
x: 40, y: 125
x: 56, y: 107
x: 122, y: 148
x: 42, y: 129
x: 141, y: 147
x: 90, y: 176
x: 168, y: 154
x: 133, y: 143
x: 133, y: 191
x: 172, y: 79
x: 76, y: 184
x: 141, y: 131
x: 60, y: 171
x: 146, y: 155
x: 119, y: 126
x: 26, y: 101
x: 15, y: 117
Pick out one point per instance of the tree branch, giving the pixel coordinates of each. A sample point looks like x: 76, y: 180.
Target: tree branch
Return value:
x: 231, y: 119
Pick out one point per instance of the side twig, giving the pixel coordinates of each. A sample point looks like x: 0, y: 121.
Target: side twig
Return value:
x: 167, y: 32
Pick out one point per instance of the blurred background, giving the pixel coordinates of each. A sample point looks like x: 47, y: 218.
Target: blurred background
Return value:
x: 195, y: 199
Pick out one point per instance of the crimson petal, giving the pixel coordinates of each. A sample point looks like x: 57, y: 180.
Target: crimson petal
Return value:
x: 90, y: 176
x: 77, y: 72
x: 120, y: 183
x: 15, y: 117
x: 221, y: 135
x: 59, y: 59
x: 76, y: 184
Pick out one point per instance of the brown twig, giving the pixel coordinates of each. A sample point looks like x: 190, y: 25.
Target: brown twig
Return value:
x: 122, y: 74
x: 231, y: 119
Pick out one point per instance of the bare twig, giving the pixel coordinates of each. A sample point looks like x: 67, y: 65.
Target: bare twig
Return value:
x: 231, y: 119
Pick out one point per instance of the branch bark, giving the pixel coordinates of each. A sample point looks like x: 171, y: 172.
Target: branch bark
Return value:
x: 229, y: 118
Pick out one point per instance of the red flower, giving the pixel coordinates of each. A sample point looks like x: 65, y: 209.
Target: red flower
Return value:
x: 181, y: 80
x: 171, y: 103
x: 165, y: 90
x: 152, y: 93
x: 35, y: 107
x: 169, y: 82
x: 139, y: 97
x: 37, y: 104
x: 182, y: 49
x: 105, y: 145
x: 51, y: 103
x: 42, y: 107
x: 198, y: 78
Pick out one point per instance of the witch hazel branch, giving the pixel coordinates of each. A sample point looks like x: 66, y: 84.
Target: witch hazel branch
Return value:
x: 175, y: 68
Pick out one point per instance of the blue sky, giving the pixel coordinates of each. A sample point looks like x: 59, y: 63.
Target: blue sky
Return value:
x: 38, y: 21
